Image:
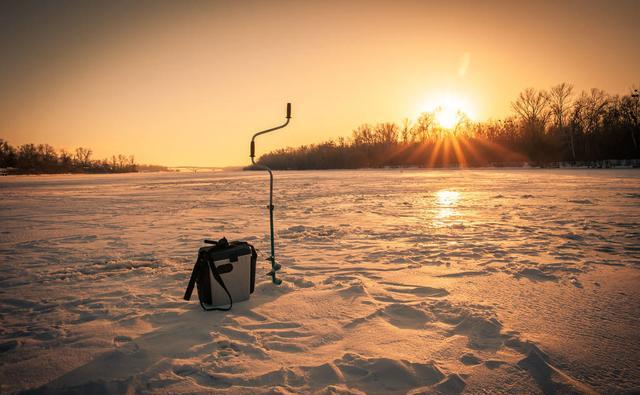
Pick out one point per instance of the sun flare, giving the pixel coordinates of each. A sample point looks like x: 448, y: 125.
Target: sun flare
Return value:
x: 447, y: 117
x: 449, y: 110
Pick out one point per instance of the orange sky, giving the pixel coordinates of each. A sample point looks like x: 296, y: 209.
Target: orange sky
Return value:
x: 188, y: 83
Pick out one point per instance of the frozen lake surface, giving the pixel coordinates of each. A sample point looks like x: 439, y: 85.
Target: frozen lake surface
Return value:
x: 395, y: 282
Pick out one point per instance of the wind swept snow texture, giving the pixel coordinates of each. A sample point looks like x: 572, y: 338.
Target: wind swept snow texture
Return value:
x: 395, y: 282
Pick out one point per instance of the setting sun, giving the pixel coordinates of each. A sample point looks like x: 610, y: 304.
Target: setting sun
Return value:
x: 448, y: 116
x: 449, y: 110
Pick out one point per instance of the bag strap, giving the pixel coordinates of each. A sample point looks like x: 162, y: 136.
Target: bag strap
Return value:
x: 192, y: 280
x: 216, y: 275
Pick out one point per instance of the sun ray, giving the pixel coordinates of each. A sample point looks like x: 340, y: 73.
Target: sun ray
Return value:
x: 446, y: 152
x: 457, y: 151
x: 417, y: 153
x: 472, y: 151
x: 395, y: 153
x: 434, y: 153
x: 505, y: 154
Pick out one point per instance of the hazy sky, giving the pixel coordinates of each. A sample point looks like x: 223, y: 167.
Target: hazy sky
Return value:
x: 188, y: 83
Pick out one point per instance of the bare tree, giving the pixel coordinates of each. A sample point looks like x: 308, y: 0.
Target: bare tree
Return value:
x: 123, y: 161
x: 463, y: 124
x: 65, y: 159
x: 8, y: 155
x: 363, y: 135
x: 595, y: 105
x: 27, y: 156
x: 421, y: 130
x: 588, y: 112
x: 559, y: 98
x: 83, y: 156
x: 531, y: 106
x: 405, y: 132
x: 48, y: 156
x: 385, y: 133
x: 630, y: 110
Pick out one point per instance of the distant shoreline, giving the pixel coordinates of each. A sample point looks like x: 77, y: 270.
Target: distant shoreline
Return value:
x: 19, y: 172
x: 601, y: 164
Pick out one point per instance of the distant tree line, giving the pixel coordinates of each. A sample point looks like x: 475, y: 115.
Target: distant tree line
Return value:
x: 43, y: 158
x: 546, y: 127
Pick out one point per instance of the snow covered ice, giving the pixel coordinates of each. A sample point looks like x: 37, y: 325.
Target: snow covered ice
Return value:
x: 488, y: 281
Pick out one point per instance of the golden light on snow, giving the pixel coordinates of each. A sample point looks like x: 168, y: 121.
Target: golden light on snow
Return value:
x: 418, y: 281
x: 446, y: 201
x: 445, y: 213
x: 447, y: 198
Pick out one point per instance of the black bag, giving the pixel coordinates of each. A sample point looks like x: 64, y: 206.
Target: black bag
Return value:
x: 235, y: 261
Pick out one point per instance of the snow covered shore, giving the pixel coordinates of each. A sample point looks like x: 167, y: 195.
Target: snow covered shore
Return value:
x: 490, y: 281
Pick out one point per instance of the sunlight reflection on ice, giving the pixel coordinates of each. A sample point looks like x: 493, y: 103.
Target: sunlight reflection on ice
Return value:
x: 446, y: 201
x: 447, y: 198
x: 445, y: 213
